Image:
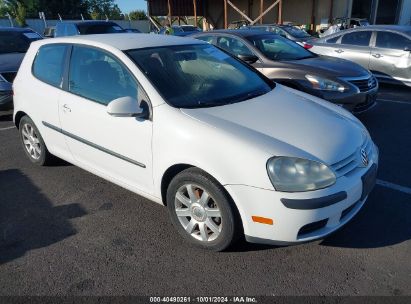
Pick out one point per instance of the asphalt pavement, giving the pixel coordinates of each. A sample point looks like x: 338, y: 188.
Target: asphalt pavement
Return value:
x: 64, y: 231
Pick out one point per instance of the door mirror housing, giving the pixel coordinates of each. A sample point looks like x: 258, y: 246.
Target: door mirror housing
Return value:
x: 250, y: 59
x: 127, y: 107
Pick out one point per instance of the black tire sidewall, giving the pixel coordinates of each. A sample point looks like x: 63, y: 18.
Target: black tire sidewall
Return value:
x: 198, y: 177
x: 42, y: 159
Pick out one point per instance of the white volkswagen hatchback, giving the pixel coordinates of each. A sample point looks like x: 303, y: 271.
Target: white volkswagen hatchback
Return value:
x: 183, y: 124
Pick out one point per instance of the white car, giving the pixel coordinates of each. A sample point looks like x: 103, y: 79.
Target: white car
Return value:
x: 183, y: 124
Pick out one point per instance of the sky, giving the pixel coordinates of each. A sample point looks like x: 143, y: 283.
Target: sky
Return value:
x: 130, y: 5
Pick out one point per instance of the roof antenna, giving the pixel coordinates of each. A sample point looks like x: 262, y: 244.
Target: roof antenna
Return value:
x: 82, y: 17
x: 106, y: 18
x: 61, y: 19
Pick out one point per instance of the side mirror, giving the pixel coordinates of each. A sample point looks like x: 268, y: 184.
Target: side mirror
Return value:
x: 407, y: 48
x: 250, y: 59
x: 127, y: 107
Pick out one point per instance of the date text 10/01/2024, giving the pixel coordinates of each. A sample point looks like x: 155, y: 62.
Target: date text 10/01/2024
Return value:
x: 203, y: 299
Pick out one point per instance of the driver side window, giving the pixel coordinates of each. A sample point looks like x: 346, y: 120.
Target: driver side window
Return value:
x: 233, y: 46
x: 98, y: 76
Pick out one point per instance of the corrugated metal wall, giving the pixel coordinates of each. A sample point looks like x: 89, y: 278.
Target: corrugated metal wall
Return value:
x: 178, y: 7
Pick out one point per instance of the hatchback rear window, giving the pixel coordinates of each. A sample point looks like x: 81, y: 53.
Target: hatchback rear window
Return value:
x: 49, y: 64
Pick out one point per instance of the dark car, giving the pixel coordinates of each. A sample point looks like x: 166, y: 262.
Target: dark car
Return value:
x: 68, y: 28
x: 282, y: 60
x: 287, y: 31
x: 180, y: 30
x: 14, y: 43
x: 131, y: 30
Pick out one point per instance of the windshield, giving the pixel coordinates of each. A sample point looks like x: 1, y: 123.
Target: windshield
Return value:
x: 295, y: 32
x: 193, y: 76
x: 190, y: 29
x: 16, y: 42
x: 275, y: 47
x: 109, y: 28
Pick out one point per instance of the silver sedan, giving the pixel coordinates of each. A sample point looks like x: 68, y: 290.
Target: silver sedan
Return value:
x: 383, y: 49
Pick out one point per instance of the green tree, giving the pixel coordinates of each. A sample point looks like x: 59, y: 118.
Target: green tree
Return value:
x: 99, y: 9
x: 138, y: 15
x: 18, y: 9
x: 68, y: 9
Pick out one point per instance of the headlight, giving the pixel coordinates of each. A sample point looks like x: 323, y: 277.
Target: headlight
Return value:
x: 291, y: 174
x: 319, y: 83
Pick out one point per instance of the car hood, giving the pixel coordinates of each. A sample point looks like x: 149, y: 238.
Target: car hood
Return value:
x: 330, y: 66
x: 289, y: 123
x: 10, y: 62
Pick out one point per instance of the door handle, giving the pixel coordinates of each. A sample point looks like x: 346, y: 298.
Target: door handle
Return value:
x: 66, y: 108
x: 339, y: 51
x: 377, y: 55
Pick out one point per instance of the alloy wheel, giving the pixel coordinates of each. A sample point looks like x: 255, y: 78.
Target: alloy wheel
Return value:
x: 198, y: 213
x: 31, y: 141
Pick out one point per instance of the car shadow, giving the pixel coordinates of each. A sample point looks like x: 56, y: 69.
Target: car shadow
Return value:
x: 28, y: 220
x: 385, y: 220
x: 6, y: 116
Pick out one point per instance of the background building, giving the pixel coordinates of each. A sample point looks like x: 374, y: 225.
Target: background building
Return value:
x: 220, y: 13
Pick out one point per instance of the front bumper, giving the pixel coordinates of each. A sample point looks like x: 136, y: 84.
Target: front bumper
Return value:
x: 6, y: 95
x: 292, y: 225
x: 6, y: 99
x: 352, y: 100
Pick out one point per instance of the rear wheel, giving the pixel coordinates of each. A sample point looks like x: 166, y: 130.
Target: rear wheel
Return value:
x: 33, y: 143
x: 201, y: 210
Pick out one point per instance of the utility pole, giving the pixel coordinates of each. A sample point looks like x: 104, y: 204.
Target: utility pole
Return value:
x: 10, y: 19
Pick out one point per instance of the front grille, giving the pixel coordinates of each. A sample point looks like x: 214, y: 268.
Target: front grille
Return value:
x: 366, y: 84
x: 9, y: 76
x: 352, y: 162
x: 312, y: 227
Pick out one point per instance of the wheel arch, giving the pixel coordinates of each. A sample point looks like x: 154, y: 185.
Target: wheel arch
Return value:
x: 175, y: 169
x: 17, y: 118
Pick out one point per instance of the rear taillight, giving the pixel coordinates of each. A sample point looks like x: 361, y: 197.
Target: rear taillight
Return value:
x: 307, y: 46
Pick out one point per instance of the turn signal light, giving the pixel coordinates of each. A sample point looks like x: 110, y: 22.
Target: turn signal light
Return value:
x: 262, y: 220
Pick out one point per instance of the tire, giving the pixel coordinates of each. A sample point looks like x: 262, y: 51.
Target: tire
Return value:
x: 193, y: 197
x: 33, y: 144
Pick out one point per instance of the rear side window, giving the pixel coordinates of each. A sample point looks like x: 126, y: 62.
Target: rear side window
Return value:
x: 208, y: 39
x: 48, y: 65
x: 333, y: 40
x: 361, y: 38
x: 233, y: 46
x: 389, y: 40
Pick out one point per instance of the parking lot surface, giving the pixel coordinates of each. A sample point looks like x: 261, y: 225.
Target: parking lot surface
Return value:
x: 64, y: 231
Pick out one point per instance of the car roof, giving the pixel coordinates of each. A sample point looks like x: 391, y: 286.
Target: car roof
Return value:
x: 400, y: 28
x: 125, y: 41
x: 15, y: 29
x: 88, y: 22
x: 405, y: 29
x: 238, y: 32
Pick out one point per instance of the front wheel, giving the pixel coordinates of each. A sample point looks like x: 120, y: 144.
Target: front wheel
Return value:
x: 201, y: 210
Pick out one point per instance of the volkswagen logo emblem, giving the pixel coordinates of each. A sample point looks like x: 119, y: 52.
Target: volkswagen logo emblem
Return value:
x: 364, y: 157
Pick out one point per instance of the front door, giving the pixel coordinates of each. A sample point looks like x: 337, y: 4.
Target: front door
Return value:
x: 355, y: 46
x: 389, y: 59
x: 116, y: 147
